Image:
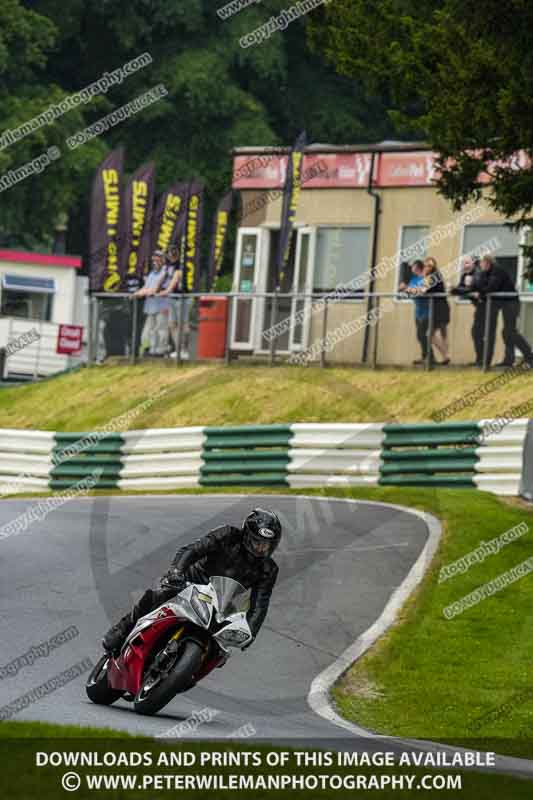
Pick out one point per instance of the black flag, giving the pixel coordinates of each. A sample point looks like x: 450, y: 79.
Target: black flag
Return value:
x: 291, y: 195
x: 220, y: 235
x: 104, y: 267
x: 135, y: 227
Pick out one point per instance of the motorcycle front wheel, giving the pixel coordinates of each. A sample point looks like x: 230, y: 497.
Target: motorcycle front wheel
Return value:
x: 158, y: 689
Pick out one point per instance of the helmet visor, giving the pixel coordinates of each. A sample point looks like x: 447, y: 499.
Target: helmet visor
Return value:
x: 262, y: 543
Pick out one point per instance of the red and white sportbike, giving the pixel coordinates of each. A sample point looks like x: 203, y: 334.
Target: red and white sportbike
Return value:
x: 175, y: 646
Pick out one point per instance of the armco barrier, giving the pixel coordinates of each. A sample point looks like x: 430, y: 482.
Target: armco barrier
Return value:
x: 500, y: 463
x: 164, y: 458
x: 249, y: 455
x: 487, y: 454
x: 25, y: 460
x: 335, y: 454
x: 79, y: 455
x: 430, y: 454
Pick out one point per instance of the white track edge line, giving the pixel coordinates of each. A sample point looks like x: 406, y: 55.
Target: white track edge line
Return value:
x: 319, y: 698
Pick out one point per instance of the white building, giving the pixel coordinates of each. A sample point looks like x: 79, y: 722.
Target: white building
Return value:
x: 38, y: 293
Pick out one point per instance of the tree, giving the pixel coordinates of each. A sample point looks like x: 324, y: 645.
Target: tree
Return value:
x: 460, y: 74
x: 31, y: 207
x: 219, y: 96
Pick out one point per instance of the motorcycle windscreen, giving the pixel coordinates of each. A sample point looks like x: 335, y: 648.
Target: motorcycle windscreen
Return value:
x: 231, y: 595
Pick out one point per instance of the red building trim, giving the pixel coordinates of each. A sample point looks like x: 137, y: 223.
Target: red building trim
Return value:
x: 350, y: 170
x: 46, y: 259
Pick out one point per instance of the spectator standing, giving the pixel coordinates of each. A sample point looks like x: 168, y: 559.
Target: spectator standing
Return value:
x: 175, y: 284
x: 495, y: 279
x: 421, y: 308
x: 155, y: 331
x: 468, y: 285
x: 434, y: 285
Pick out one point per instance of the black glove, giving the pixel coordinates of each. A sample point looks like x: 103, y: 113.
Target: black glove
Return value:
x: 173, y: 579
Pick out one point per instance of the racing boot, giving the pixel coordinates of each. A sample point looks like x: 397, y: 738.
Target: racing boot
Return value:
x: 116, y: 635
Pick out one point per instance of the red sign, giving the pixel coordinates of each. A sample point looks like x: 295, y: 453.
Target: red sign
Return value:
x: 407, y: 169
x: 320, y: 171
x: 350, y: 170
x: 69, y: 340
x: 266, y: 171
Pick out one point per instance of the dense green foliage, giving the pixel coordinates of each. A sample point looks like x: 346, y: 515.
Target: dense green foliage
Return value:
x: 219, y: 96
x: 459, y: 72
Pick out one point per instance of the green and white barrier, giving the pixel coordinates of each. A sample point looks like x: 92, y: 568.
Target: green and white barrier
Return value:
x: 249, y: 455
x: 430, y: 454
x: 164, y: 458
x: 25, y: 461
x: 335, y: 454
x: 302, y: 455
x: 501, y: 456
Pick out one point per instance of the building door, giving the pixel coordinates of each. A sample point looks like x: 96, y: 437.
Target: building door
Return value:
x: 251, y: 246
x: 303, y: 284
x: 267, y: 284
x: 292, y: 328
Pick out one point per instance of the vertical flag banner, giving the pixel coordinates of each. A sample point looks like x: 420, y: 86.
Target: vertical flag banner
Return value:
x: 182, y: 238
x: 170, y: 216
x: 220, y: 235
x: 291, y: 196
x: 193, y: 233
x: 104, y: 267
x: 135, y: 227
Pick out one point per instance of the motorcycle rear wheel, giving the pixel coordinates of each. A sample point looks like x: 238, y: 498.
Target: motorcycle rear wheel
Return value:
x: 181, y: 677
x: 97, y: 686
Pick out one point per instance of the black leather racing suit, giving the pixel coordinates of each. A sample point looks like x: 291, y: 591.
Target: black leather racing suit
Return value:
x: 220, y: 552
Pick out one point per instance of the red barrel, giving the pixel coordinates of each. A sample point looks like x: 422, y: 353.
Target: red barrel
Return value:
x: 212, y: 327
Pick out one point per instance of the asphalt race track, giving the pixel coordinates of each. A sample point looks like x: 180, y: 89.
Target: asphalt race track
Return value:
x: 87, y: 560
x: 82, y: 566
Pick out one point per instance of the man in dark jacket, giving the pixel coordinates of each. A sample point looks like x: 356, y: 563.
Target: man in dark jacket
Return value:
x: 470, y: 282
x: 244, y: 554
x: 495, y: 279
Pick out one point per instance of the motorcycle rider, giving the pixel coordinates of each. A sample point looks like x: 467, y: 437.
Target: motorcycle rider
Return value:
x: 244, y: 554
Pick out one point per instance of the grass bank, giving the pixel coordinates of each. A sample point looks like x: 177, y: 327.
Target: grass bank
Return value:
x: 218, y: 395
x: 468, y: 679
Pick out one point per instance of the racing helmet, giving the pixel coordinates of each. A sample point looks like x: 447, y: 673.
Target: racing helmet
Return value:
x: 261, y: 533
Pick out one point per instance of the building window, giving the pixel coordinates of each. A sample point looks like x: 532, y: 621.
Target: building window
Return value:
x: 341, y: 256
x: 501, y: 240
x: 411, y: 236
x: 27, y: 298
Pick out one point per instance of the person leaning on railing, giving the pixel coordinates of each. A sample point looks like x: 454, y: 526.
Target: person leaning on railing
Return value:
x: 469, y: 283
x: 155, y: 331
x: 174, y: 283
x: 494, y: 280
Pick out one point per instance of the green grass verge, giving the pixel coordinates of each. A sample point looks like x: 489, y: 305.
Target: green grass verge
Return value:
x: 22, y: 778
x: 466, y: 678
x: 214, y: 395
